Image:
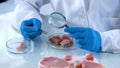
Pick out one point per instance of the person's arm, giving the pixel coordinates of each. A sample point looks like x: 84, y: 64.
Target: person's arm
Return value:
x: 26, y: 9
x: 111, y: 41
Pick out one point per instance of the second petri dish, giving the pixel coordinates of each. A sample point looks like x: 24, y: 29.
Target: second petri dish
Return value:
x: 19, y: 45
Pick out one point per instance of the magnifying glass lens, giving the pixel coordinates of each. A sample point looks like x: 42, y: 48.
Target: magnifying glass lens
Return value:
x: 57, y: 20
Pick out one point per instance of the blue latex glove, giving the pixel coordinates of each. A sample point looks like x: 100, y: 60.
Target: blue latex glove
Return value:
x: 86, y: 38
x: 31, y: 28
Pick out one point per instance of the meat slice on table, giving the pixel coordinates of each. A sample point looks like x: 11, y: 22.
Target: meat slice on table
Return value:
x: 68, y: 57
x: 91, y: 64
x: 54, y: 62
x: 78, y: 64
x: 89, y: 57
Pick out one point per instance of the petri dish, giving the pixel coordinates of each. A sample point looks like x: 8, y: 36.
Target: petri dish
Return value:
x: 61, y: 41
x: 19, y: 45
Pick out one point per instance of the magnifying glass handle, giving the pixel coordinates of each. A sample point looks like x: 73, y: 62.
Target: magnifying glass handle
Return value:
x: 66, y: 26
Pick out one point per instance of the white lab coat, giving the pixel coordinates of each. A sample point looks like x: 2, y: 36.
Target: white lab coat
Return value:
x: 102, y: 15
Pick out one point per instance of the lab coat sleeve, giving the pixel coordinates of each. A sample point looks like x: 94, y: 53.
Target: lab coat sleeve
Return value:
x: 111, y: 41
x: 26, y: 9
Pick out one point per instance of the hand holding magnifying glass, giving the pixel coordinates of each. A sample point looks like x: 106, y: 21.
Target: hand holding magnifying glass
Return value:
x: 57, y: 20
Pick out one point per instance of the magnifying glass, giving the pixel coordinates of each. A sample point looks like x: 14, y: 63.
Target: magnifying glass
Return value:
x: 58, y: 20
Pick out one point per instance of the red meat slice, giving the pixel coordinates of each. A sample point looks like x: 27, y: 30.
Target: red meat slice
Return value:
x: 65, y: 36
x: 54, y: 62
x: 71, y: 41
x: 71, y: 65
x: 65, y: 43
x: 88, y: 62
x: 91, y: 64
x: 55, y: 40
x: 21, y: 46
x: 89, y: 57
x: 64, y: 40
x: 68, y: 57
x: 78, y: 64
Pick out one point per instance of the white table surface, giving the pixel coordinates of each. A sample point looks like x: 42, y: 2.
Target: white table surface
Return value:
x: 31, y: 59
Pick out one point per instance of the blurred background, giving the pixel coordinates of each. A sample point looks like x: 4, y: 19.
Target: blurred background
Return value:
x: 6, y: 13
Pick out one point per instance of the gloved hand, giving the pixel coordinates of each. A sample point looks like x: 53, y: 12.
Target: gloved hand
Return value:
x: 86, y: 38
x: 31, y: 28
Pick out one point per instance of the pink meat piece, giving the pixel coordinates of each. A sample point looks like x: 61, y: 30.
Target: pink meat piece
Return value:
x: 65, y: 36
x: 65, y: 43
x: 55, y: 40
x: 21, y: 47
x: 71, y: 41
x: 91, y: 64
x: 88, y: 62
x: 71, y: 65
x: 78, y: 64
x: 54, y: 62
x: 89, y: 57
x: 63, y: 40
x: 68, y: 57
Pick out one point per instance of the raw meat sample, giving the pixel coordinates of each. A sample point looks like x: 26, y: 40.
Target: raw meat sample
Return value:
x: 78, y: 64
x: 55, y: 40
x: 21, y: 46
x: 71, y: 65
x: 63, y: 41
x: 91, y: 64
x: 89, y: 57
x: 53, y: 62
x: 88, y: 62
x: 65, y: 36
x: 68, y: 57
